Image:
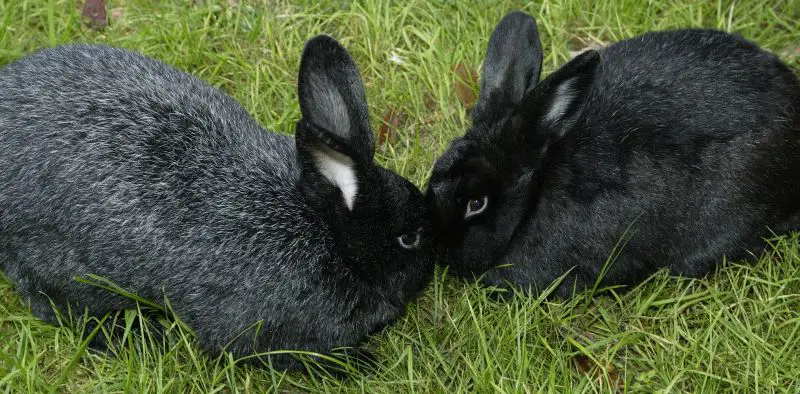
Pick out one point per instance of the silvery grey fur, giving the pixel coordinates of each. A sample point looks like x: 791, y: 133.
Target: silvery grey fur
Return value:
x: 117, y: 165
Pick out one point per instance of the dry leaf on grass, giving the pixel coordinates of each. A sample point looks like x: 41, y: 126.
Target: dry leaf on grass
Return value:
x: 466, y: 85
x: 94, y: 11
x: 430, y: 102
x: 579, y: 45
x: 606, y: 372
x: 390, y: 125
x: 117, y: 13
x: 609, y: 373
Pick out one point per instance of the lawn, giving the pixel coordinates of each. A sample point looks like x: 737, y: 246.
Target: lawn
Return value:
x: 738, y: 330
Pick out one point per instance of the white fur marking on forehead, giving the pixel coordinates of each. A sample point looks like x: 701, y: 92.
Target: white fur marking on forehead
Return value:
x: 561, y: 101
x: 338, y: 169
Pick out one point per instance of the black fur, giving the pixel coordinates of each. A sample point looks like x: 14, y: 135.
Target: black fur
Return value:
x: 682, y: 145
x: 114, y: 164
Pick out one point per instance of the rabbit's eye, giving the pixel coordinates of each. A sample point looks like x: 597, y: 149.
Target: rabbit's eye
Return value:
x: 477, y: 206
x: 409, y: 240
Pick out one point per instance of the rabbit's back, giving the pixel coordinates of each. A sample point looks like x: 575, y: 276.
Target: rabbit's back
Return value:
x: 695, y: 110
x: 692, y: 82
x: 103, y: 125
x: 82, y: 101
x: 149, y: 173
x: 690, y: 141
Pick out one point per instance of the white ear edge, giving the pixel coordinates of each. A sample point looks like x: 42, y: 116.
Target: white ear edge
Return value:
x: 561, y: 102
x: 338, y: 169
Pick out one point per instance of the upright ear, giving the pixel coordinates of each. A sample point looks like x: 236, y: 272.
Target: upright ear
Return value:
x: 556, y: 102
x: 334, y: 139
x: 512, y: 65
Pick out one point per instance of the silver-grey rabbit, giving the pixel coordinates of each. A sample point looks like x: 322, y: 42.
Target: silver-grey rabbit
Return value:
x: 117, y: 165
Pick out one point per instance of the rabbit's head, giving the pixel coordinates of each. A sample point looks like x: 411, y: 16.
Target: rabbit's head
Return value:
x: 379, y: 220
x: 486, y: 182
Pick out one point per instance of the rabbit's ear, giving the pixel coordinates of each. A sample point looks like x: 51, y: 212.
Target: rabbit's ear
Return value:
x: 557, y: 101
x: 512, y: 65
x: 334, y: 138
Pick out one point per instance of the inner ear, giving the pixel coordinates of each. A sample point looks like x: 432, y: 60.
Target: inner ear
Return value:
x: 339, y: 169
x: 332, y: 98
x: 559, y: 98
x: 333, y: 137
x: 562, y: 101
x: 549, y: 111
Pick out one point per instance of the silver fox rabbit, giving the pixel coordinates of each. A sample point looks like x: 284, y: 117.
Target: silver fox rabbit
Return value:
x: 117, y: 165
x: 684, y: 146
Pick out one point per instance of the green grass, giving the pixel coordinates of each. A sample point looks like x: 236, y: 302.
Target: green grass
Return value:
x: 738, y: 330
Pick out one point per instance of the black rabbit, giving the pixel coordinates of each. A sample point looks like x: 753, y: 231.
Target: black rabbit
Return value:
x: 673, y: 148
x: 117, y: 165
